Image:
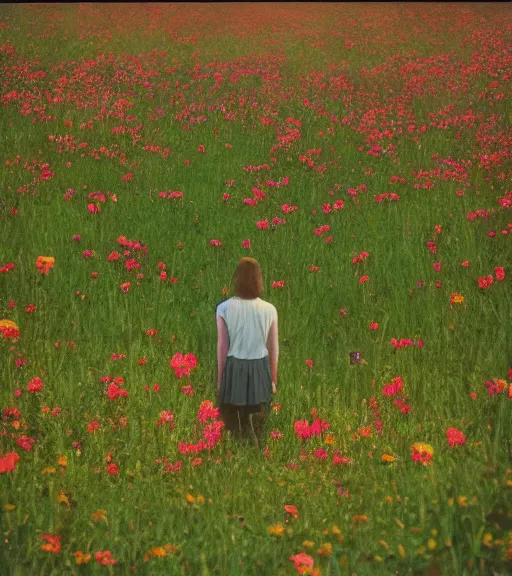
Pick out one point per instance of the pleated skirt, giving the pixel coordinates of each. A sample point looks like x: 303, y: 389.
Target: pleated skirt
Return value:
x: 245, y: 383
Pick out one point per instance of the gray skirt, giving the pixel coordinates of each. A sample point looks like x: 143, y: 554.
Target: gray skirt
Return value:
x: 245, y: 383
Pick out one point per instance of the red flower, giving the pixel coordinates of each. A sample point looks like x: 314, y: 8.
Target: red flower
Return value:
x: 25, y: 442
x: 455, y: 437
x: 500, y: 273
x: 105, y: 558
x: 374, y: 326
x: 35, y: 385
x: 182, y: 365
x: 8, y: 462
x: 53, y: 543
x: 113, y: 469
x: 92, y: 426
x: 93, y: 208
x: 485, y: 281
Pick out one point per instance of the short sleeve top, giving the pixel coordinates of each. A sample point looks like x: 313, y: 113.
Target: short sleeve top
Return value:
x: 248, y: 323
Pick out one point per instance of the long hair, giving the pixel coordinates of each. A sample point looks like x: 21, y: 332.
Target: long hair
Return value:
x: 247, y: 279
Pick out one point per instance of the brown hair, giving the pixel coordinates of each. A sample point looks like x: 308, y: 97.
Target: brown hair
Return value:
x: 247, y: 279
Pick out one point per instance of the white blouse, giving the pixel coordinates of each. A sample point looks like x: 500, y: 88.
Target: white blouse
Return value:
x: 248, y: 323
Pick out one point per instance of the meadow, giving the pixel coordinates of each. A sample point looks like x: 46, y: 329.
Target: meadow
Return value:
x: 361, y: 152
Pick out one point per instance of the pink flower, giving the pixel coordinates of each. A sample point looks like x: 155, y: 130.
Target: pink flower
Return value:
x: 215, y: 243
x: 93, y: 208
x: 374, y: 326
x: 320, y: 454
x: 246, y: 244
x: 363, y: 279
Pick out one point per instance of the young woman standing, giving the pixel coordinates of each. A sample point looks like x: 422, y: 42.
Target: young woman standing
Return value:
x: 247, y: 353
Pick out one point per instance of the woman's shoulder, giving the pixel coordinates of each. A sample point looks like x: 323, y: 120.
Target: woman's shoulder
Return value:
x: 222, y: 306
x: 267, y: 305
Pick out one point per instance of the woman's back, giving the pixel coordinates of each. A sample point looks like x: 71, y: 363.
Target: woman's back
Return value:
x: 248, y: 323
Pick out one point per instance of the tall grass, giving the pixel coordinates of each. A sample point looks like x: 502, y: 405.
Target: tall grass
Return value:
x: 450, y: 517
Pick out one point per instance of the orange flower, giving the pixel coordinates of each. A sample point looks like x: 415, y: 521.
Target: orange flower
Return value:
x: 388, y: 458
x: 292, y: 510
x: 365, y: 432
x: 362, y: 519
x: 276, y: 529
x: 44, y: 264
x: 456, y: 298
x: 100, y: 515
x: 105, y: 558
x: 159, y: 551
x: 82, y: 558
x: 53, y: 545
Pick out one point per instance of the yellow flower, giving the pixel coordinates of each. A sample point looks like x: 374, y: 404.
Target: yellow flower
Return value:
x: 308, y: 544
x: 62, y: 498
x: 62, y: 461
x: 389, y: 499
x: 190, y: 498
x: 276, y: 529
x: 401, y: 551
x: 456, y: 298
x: 49, y: 470
x: 450, y: 502
x: 82, y: 558
x: 325, y: 549
x: 434, y: 532
x: 384, y: 543
x: 462, y: 501
x: 487, y: 540
x: 431, y: 544
x: 448, y: 543
x: 200, y: 499
x: 388, y: 458
x: 10, y: 328
x: 335, y: 529
x: 9, y: 507
x: 423, y: 447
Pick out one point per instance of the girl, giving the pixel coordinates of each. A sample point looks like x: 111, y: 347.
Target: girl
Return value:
x: 247, y: 353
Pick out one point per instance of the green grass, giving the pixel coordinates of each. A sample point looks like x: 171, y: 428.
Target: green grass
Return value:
x: 438, y: 517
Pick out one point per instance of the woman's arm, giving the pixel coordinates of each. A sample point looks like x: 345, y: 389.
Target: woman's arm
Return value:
x: 273, y: 350
x: 222, y: 348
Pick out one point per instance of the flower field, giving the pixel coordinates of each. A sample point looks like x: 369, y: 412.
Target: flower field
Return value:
x: 362, y: 154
